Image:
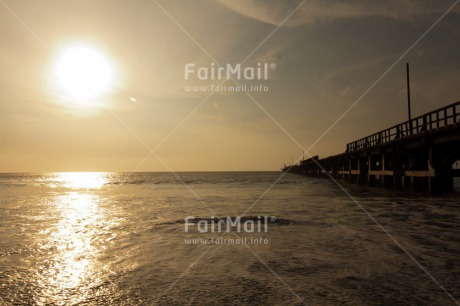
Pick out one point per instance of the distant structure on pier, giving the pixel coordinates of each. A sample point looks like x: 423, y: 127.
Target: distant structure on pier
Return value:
x: 417, y: 154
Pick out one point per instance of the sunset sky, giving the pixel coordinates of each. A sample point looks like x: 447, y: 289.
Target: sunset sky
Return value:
x: 325, y: 56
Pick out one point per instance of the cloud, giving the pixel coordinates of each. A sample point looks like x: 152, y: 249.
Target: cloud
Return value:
x: 312, y: 11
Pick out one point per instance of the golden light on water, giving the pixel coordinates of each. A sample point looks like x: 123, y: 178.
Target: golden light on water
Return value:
x: 82, y: 180
x: 75, y: 231
x: 80, y: 234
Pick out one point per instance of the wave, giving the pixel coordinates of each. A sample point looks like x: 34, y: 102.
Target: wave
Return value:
x: 269, y: 219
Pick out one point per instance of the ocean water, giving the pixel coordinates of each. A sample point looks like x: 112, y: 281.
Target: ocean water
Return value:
x: 120, y: 239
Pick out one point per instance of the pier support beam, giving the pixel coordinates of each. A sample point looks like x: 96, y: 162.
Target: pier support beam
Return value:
x: 387, y: 181
x: 363, y: 170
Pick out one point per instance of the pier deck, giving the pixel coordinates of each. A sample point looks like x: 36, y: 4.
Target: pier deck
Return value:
x: 417, y: 154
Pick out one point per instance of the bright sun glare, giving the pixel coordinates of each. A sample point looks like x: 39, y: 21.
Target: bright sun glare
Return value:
x: 84, y: 73
x: 82, y: 180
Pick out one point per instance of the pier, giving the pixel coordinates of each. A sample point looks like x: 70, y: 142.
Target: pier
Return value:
x: 417, y: 154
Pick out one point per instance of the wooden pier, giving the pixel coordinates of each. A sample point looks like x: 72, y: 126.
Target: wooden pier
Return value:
x: 417, y: 154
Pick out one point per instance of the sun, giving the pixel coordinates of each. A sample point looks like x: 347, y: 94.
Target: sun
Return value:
x: 83, y: 73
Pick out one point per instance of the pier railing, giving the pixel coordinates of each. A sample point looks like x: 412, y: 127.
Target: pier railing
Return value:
x: 441, y: 117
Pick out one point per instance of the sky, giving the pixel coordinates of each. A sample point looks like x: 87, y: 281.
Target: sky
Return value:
x: 335, y: 72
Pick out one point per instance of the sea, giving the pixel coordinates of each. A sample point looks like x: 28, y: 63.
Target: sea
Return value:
x: 223, y: 238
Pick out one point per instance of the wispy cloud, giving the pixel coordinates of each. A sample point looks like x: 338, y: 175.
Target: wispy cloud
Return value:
x: 273, y: 11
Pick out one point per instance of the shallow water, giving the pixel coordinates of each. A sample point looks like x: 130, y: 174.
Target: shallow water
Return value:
x: 114, y: 238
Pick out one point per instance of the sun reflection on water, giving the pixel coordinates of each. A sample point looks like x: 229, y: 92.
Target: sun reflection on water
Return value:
x: 80, y: 234
x: 82, y: 180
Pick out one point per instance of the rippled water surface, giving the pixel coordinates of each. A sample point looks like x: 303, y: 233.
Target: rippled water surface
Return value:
x: 119, y: 239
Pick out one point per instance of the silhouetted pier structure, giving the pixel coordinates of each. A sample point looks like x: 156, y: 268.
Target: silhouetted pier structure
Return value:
x: 418, y: 153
